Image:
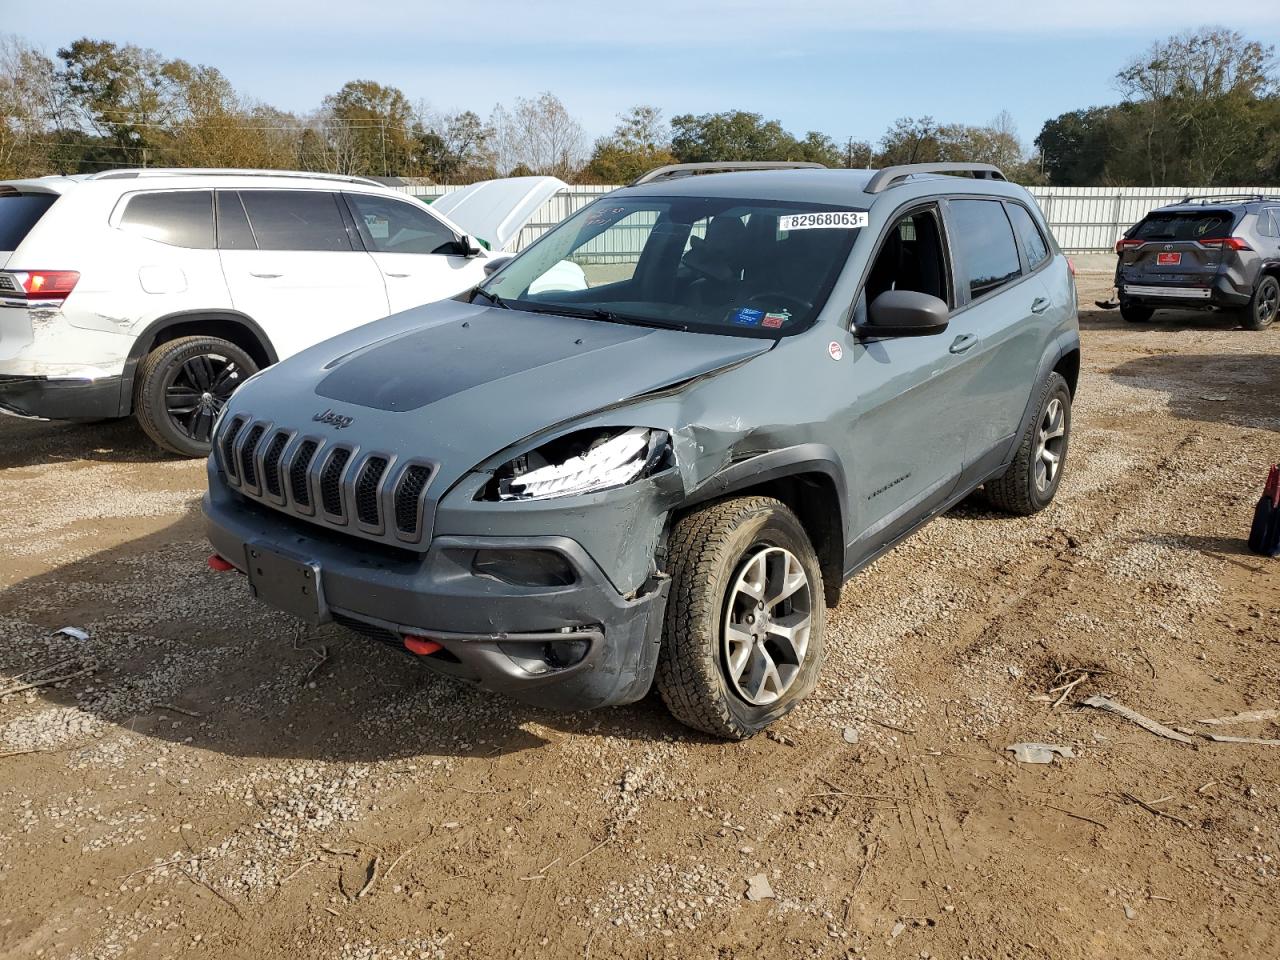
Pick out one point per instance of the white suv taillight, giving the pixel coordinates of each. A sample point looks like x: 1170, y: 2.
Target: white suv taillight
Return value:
x: 46, y: 284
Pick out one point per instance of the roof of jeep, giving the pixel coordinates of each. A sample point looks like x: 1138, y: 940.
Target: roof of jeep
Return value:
x: 812, y: 186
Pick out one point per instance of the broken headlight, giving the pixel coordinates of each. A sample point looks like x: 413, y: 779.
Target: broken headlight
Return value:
x: 582, y: 462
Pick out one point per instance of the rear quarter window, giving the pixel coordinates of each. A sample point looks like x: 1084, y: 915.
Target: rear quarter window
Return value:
x: 1033, y: 241
x: 1197, y: 225
x: 984, y: 237
x: 19, y: 212
x: 180, y: 218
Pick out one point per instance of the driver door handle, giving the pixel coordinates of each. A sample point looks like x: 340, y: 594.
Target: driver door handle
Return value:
x: 963, y: 342
x: 1039, y: 305
x: 265, y: 276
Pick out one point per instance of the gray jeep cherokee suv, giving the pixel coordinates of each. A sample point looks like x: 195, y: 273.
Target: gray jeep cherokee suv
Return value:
x: 1203, y: 253
x: 773, y: 376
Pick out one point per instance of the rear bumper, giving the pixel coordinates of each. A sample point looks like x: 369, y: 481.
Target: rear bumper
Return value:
x: 494, y: 634
x: 51, y: 398
x: 1220, y: 293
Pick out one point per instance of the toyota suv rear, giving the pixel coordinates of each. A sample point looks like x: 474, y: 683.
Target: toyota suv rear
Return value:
x: 1205, y: 252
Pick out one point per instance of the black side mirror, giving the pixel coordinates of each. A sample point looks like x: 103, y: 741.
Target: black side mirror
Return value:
x: 468, y: 247
x: 907, y: 313
x: 495, y: 264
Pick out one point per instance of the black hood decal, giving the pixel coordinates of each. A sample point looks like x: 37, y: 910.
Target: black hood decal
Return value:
x: 422, y: 366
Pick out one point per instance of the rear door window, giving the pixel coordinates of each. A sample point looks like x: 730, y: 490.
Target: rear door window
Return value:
x: 988, y: 253
x: 1033, y: 242
x: 296, y: 220
x: 19, y: 212
x: 1195, y: 225
x: 399, y: 226
x: 182, y: 218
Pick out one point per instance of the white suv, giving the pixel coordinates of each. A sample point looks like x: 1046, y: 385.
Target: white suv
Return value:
x: 158, y: 292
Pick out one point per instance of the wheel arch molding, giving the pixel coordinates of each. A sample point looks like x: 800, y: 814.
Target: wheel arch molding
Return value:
x: 810, y: 479
x: 229, y: 325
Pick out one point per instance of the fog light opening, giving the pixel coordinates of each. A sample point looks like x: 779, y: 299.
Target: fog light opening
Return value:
x: 524, y: 568
x: 560, y: 654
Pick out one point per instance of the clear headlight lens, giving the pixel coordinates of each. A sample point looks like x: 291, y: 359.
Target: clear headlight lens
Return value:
x: 581, y: 463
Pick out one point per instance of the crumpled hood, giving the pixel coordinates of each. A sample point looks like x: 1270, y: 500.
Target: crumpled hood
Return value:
x: 459, y: 382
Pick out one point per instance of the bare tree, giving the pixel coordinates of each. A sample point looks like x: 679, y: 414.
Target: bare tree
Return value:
x: 539, y: 136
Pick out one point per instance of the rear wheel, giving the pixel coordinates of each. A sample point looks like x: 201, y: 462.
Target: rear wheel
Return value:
x: 1262, y: 309
x: 1033, y: 477
x: 1135, y: 313
x: 181, y: 387
x: 745, y: 622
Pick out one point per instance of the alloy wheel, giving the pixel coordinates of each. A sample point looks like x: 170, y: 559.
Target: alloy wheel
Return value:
x: 1268, y: 304
x: 1050, y: 441
x: 767, y: 623
x: 198, y: 391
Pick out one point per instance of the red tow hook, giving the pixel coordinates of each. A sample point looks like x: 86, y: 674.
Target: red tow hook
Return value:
x: 217, y: 563
x: 421, y: 645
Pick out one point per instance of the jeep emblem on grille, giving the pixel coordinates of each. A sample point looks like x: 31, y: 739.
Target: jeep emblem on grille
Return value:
x: 337, y: 420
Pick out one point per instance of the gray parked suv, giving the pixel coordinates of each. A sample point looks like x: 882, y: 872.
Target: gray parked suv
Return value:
x: 665, y: 478
x: 1205, y: 252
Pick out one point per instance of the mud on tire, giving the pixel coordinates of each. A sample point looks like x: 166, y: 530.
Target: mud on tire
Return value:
x: 711, y: 551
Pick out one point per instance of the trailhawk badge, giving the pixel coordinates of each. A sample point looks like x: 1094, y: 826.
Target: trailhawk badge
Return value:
x: 336, y: 420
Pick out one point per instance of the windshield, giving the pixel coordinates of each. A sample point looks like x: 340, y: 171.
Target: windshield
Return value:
x: 711, y: 265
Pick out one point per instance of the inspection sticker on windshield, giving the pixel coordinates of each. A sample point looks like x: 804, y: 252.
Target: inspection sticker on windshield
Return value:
x: 746, y: 317
x: 826, y: 220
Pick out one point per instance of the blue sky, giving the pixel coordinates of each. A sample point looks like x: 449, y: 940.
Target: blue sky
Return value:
x: 845, y: 67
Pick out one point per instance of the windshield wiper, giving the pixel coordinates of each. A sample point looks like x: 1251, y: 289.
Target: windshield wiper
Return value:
x: 608, y: 316
x: 493, y: 298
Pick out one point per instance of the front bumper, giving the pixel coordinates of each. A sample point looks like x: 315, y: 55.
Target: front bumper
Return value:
x: 51, y: 398
x: 495, y: 634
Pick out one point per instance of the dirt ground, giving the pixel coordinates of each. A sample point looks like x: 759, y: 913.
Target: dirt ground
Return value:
x: 211, y: 781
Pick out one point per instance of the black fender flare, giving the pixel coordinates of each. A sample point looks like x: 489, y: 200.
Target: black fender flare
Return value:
x: 145, y: 341
x: 780, y: 464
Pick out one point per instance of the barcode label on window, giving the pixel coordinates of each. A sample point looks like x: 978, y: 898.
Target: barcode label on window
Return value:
x: 827, y: 220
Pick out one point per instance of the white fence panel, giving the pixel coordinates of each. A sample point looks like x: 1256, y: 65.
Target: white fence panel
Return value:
x: 1083, y: 219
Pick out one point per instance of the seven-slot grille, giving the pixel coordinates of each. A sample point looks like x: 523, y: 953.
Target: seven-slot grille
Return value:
x: 328, y: 482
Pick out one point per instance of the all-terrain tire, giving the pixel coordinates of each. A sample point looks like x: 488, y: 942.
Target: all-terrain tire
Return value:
x: 1018, y: 491
x: 707, y: 551
x: 183, y: 363
x: 1262, y: 309
x: 1135, y: 313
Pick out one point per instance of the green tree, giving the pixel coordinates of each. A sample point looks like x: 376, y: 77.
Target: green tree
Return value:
x: 640, y: 142
x: 732, y: 135
x: 369, y: 127
x: 454, y: 148
x: 129, y: 95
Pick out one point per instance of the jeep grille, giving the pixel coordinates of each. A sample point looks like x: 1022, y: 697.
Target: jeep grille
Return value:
x: 323, y: 480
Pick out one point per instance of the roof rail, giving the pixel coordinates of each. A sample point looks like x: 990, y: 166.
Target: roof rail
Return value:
x: 1207, y: 198
x: 226, y: 172
x: 894, y: 176
x: 674, y: 170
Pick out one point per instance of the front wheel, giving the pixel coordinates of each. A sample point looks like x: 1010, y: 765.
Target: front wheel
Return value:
x: 181, y: 387
x: 1262, y: 309
x: 1036, y: 472
x: 746, y: 622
